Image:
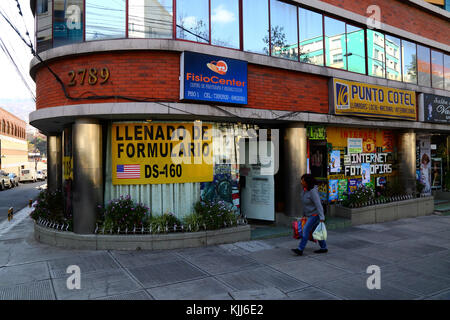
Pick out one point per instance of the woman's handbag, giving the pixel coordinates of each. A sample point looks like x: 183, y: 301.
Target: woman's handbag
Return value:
x: 297, y: 227
x: 321, y: 232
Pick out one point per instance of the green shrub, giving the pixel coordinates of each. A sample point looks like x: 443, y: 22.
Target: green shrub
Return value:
x: 123, y: 214
x: 50, y: 206
x: 359, y: 197
x: 163, y: 223
x: 212, y: 215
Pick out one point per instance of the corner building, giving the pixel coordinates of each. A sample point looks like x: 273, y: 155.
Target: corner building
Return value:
x: 353, y: 100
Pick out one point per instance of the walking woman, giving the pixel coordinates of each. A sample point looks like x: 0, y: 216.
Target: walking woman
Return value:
x: 313, y: 210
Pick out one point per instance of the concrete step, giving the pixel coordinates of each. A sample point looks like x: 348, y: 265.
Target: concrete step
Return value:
x: 442, y: 207
x: 440, y: 202
x: 442, y: 213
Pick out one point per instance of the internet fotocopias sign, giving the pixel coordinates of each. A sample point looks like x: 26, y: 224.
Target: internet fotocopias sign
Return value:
x: 156, y: 153
x: 360, y: 99
x: 211, y: 78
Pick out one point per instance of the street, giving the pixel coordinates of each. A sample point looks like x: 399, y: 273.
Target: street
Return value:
x: 18, y: 197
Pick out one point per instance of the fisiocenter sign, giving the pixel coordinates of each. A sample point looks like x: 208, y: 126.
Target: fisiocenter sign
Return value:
x: 360, y: 99
x: 155, y: 153
x: 212, y: 78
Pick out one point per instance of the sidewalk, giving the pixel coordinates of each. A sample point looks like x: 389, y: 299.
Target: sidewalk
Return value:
x: 413, y: 254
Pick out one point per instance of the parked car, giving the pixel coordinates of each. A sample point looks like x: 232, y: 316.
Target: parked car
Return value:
x: 40, y: 175
x: 27, y: 175
x: 14, y: 179
x: 5, y: 182
x: 44, y: 172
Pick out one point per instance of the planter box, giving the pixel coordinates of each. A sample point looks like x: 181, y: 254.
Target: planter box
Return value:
x: 140, y: 242
x: 388, y: 211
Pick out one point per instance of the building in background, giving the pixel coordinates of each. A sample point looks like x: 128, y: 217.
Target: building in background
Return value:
x: 13, y: 142
x: 351, y: 104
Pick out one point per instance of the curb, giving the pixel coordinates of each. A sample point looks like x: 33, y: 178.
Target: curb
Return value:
x: 180, y: 240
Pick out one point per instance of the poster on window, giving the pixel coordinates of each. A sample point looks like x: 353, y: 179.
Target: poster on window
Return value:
x: 436, y: 173
x: 334, y: 194
x: 354, y: 145
x: 335, y: 161
x: 365, y: 173
x: 353, y: 185
x: 342, y: 189
x: 425, y: 164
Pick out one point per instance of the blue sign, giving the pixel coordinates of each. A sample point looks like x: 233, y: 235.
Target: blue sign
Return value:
x: 212, y: 78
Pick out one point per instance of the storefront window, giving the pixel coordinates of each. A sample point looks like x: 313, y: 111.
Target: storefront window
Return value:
x: 356, y: 50
x: 447, y: 71
x: 68, y: 22
x: 150, y: 19
x: 376, y: 54
x: 225, y: 23
x: 409, y: 62
x: 44, y: 25
x: 360, y: 157
x: 393, y: 58
x: 176, y: 190
x: 105, y: 19
x: 423, y: 66
x: 284, y: 32
x: 437, y: 69
x: 193, y: 20
x: 335, y: 43
x: 311, y: 36
x: 256, y: 26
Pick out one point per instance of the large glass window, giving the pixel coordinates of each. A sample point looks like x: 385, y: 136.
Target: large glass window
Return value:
x: 393, y: 58
x: 256, y: 26
x: 150, y: 18
x: 447, y: 72
x: 67, y: 22
x: 335, y: 46
x: 311, y: 36
x: 409, y: 62
x: 423, y: 66
x: 225, y: 23
x: 437, y: 69
x: 105, y: 19
x: 193, y: 20
x: 356, y: 49
x: 376, y: 54
x: 284, y: 30
x: 44, y: 25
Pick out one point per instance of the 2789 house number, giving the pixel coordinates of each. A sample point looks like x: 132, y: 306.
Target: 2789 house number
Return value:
x: 91, y: 76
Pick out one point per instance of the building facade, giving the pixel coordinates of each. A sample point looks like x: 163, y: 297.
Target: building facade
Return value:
x: 13, y: 142
x: 350, y: 92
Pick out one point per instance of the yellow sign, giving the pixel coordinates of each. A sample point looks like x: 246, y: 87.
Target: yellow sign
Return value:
x: 360, y: 99
x: 439, y: 2
x: 68, y: 168
x: 156, y: 153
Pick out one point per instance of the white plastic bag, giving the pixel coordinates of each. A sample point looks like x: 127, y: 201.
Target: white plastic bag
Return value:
x: 321, y: 232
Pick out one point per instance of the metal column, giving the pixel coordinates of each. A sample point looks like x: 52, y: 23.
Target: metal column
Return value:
x: 295, y: 149
x: 54, y: 162
x: 87, y: 174
x: 407, y: 160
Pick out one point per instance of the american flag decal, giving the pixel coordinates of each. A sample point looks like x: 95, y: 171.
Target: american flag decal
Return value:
x: 128, y: 171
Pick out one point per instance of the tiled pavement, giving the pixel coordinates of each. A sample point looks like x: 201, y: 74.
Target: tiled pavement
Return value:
x: 413, y: 254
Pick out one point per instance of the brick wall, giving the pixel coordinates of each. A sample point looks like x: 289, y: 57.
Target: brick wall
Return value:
x: 402, y: 15
x: 12, y: 126
x: 155, y: 75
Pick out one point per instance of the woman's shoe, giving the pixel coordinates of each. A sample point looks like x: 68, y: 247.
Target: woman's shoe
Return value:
x: 321, y: 251
x: 297, y: 252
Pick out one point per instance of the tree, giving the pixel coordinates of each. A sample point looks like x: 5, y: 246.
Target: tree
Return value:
x: 279, y: 45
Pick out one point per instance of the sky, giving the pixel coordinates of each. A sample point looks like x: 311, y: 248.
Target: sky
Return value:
x: 14, y: 96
